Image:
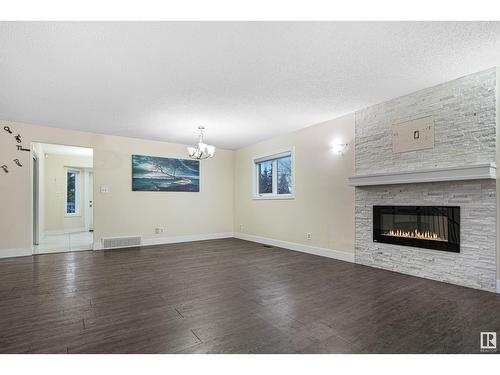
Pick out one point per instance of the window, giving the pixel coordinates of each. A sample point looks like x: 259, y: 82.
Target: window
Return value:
x: 273, y: 176
x: 72, y: 192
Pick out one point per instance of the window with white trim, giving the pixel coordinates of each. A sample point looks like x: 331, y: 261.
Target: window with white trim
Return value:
x: 72, y: 206
x: 273, y: 176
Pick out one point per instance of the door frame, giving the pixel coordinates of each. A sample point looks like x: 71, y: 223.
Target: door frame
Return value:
x: 89, y: 187
x: 35, y: 207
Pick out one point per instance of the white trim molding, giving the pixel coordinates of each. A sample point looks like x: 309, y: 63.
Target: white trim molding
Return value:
x: 329, y: 253
x: 171, y: 240
x: 186, y: 238
x: 498, y: 286
x: 470, y: 172
x: 273, y: 196
x: 11, y: 253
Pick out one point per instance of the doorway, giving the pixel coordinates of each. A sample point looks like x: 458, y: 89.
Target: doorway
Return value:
x: 62, y: 198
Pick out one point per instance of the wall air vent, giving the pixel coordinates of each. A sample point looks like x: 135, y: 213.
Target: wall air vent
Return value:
x: 116, y: 242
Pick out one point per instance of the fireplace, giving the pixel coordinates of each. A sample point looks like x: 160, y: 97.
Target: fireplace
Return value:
x: 430, y: 227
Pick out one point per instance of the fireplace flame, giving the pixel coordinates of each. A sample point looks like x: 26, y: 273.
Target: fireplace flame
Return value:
x: 426, y: 235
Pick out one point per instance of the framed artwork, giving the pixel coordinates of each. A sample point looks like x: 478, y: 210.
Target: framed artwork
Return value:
x: 150, y: 173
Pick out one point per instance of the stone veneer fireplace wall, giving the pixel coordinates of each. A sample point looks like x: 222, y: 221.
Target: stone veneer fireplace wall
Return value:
x: 464, y: 113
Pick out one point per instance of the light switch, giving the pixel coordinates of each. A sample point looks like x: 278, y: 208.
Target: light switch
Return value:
x: 104, y: 189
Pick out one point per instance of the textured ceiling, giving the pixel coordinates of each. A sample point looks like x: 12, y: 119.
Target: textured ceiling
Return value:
x: 244, y: 81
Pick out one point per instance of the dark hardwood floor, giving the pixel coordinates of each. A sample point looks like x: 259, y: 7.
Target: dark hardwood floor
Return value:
x: 230, y: 296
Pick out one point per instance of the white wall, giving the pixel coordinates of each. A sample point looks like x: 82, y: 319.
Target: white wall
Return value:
x: 121, y: 211
x: 323, y: 204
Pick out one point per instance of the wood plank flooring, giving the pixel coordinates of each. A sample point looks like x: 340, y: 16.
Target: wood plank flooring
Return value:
x: 230, y: 296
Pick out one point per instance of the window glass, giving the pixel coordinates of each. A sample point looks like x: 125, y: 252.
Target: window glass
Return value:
x: 266, y: 177
x: 284, y: 166
x: 72, y: 186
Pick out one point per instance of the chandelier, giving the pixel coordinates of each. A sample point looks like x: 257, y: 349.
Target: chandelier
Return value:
x: 202, y: 150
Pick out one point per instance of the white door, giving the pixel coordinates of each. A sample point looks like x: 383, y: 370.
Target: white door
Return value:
x: 90, y: 202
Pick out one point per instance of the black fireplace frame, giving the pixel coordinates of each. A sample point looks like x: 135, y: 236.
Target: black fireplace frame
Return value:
x: 451, y: 212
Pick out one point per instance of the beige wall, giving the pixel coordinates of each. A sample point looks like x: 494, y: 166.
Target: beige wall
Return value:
x: 181, y: 213
x: 323, y: 204
x: 121, y: 211
x: 54, y: 182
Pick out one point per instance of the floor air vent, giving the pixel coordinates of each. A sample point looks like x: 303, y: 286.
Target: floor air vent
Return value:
x: 113, y: 242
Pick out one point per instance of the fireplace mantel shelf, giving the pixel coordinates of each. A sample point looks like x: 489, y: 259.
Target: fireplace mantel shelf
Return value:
x: 470, y: 172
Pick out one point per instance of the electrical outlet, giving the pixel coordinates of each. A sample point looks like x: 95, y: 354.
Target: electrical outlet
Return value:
x: 308, y: 236
x: 241, y: 226
x: 159, y: 230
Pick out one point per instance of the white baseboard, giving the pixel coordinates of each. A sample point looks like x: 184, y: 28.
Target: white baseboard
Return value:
x: 498, y: 286
x: 173, y: 239
x: 329, y: 253
x: 10, y: 253
x: 186, y: 238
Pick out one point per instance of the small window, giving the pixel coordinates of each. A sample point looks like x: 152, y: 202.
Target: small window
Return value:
x: 72, y: 192
x: 273, y: 176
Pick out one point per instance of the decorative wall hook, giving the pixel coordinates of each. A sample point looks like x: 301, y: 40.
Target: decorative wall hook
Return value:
x: 7, y: 129
x: 18, y: 138
x: 18, y: 162
x: 5, y: 169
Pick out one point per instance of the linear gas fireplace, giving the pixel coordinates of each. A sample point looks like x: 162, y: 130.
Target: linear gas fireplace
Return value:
x: 430, y: 227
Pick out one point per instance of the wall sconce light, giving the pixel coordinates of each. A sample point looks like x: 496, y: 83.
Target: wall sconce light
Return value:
x: 340, y: 148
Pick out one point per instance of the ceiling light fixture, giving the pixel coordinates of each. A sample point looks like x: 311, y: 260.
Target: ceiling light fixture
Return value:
x: 202, y: 150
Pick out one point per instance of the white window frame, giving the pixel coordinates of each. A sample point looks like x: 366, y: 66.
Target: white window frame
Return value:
x: 78, y: 198
x: 274, y: 157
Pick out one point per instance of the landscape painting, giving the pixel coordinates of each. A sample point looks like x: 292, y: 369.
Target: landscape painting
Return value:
x: 150, y: 173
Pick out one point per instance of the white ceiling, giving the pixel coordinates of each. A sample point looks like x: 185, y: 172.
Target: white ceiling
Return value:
x: 244, y: 81
x: 53, y: 149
